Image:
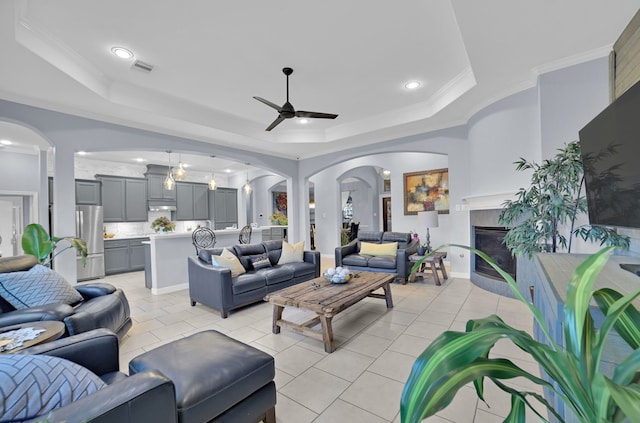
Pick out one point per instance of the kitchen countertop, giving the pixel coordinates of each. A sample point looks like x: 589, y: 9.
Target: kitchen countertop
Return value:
x: 180, y: 234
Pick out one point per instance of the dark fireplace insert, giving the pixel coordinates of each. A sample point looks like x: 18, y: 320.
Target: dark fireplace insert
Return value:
x: 490, y: 241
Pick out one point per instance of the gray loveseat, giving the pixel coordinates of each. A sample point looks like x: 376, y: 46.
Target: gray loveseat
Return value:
x: 215, y: 287
x: 349, y: 255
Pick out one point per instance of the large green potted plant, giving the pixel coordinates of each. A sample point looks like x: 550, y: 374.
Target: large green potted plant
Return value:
x: 543, y: 216
x: 37, y: 242
x: 455, y: 359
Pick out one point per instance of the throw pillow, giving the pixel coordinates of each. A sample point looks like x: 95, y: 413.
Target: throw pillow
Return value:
x: 260, y: 261
x: 35, y: 287
x: 34, y: 385
x: 385, y: 249
x: 229, y: 261
x: 292, y: 253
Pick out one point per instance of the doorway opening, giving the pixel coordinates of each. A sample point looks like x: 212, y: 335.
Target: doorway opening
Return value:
x: 15, y: 210
x: 386, y: 214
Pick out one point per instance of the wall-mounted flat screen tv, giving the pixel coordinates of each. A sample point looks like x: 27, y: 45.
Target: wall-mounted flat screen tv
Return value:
x: 610, y: 148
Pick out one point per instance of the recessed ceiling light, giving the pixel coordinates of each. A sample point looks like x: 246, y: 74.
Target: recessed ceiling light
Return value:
x: 412, y: 85
x: 386, y: 172
x: 140, y: 159
x: 121, y: 52
x: 228, y: 170
x: 5, y: 142
x: 303, y: 121
x: 82, y: 153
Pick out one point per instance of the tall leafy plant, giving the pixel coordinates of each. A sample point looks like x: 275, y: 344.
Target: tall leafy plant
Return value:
x: 539, y: 214
x: 37, y: 242
x: 456, y: 358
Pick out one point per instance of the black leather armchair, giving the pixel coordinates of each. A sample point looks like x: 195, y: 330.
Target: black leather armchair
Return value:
x: 349, y: 255
x: 147, y: 396
x: 103, y: 306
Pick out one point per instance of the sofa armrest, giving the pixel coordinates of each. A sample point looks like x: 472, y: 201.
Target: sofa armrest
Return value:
x: 147, y: 397
x: 313, y: 257
x: 96, y: 350
x: 210, y: 285
x: 345, y: 250
x: 403, y: 265
x: 95, y: 290
x: 106, y: 311
x: 56, y: 312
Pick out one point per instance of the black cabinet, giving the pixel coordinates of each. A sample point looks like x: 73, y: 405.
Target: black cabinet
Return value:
x: 192, y: 201
x: 223, y: 207
x: 123, y: 199
x: 88, y: 192
x: 124, y: 255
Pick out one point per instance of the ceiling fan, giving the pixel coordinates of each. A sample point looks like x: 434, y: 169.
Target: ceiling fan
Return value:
x: 287, y: 111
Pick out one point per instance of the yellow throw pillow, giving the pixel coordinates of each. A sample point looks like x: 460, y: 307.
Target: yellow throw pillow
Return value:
x: 292, y: 253
x: 386, y: 249
x: 228, y: 260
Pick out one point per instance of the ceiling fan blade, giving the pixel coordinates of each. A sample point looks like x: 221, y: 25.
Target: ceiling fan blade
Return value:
x: 316, y: 115
x: 268, y: 103
x: 275, y: 123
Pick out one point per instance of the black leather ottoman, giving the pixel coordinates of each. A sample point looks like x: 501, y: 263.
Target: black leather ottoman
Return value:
x: 217, y: 378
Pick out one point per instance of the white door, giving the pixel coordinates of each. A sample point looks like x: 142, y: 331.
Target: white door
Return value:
x: 11, y: 224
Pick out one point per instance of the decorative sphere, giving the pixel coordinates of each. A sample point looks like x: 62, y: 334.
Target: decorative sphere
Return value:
x: 338, y: 269
x: 336, y: 279
x: 331, y: 271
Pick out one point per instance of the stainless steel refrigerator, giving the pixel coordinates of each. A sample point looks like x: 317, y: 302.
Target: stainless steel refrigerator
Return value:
x: 89, y: 221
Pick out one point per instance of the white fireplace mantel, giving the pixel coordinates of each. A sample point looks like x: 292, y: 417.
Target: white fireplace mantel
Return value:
x: 486, y: 201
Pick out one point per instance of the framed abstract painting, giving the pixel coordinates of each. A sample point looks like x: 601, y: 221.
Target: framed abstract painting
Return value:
x: 426, y: 191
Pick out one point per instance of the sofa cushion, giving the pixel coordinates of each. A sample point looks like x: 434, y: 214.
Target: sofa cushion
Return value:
x: 383, y: 262
x: 301, y: 269
x: 292, y: 253
x: 245, y: 251
x: 260, y: 261
x: 228, y: 261
x: 386, y: 249
x: 402, y: 238
x: 277, y: 274
x: 247, y: 282
x: 274, y: 250
x: 37, y: 286
x: 205, y: 254
x: 356, y: 260
x: 34, y: 385
x: 369, y: 236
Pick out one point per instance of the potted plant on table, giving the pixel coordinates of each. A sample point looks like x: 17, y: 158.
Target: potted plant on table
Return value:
x: 456, y: 358
x: 37, y: 242
x: 163, y: 224
x: 279, y: 219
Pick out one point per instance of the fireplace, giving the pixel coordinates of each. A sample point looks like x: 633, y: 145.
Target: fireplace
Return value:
x: 490, y: 241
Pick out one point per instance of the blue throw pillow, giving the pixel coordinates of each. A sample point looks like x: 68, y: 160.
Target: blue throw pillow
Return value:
x: 34, y: 385
x: 35, y: 287
x: 260, y: 261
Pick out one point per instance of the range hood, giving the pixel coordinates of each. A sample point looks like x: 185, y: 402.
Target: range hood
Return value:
x: 161, y: 207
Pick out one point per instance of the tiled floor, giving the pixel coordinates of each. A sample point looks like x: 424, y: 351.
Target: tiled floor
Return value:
x: 363, y: 379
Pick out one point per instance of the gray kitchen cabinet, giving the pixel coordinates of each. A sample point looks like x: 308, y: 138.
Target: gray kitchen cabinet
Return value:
x: 192, y: 201
x: 124, y: 255
x: 88, y: 192
x: 116, y: 256
x: 223, y: 207
x: 274, y: 233
x: 123, y: 199
x: 156, y: 189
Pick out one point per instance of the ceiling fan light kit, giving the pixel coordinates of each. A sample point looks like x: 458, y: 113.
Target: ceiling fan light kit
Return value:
x: 286, y: 111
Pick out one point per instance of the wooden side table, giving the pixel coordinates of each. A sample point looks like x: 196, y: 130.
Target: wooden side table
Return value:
x: 52, y: 331
x: 435, y: 262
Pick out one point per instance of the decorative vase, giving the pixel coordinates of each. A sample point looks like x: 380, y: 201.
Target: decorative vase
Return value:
x: 421, y: 251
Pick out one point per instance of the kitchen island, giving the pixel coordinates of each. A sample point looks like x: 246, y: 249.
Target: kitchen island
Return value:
x: 166, y: 257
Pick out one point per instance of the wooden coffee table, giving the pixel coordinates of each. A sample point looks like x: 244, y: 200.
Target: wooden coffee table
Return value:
x: 326, y: 300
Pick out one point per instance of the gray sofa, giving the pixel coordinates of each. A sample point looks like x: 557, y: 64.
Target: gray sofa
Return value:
x: 215, y: 287
x: 101, y: 306
x: 349, y: 255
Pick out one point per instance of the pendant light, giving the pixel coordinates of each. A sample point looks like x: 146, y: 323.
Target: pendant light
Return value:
x: 169, y: 182
x: 247, y: 184
x: 213, y: 185
x: 179, y: 173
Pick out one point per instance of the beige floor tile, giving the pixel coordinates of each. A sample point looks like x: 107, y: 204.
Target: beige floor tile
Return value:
x: 315, y: 389
x: 385, y: 329
x: 393, y: 365
x: 425, y: 330
x: 289, y: 411
x: 410, y: 345
x: 296, y: 360
x: 463, y: 406
x: 343, y: 412
x: 377, y: 394
x: 345, y: 364
x: 398, y: 317
x: 369, y: 345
